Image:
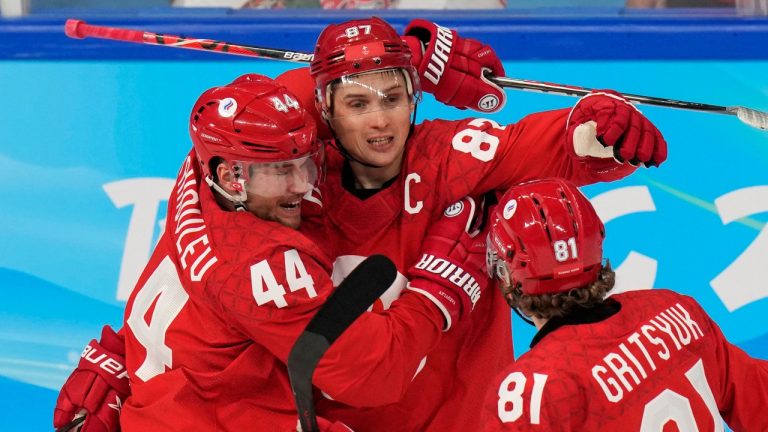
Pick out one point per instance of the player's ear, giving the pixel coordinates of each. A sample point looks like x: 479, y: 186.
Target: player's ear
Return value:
x: 225, y: 175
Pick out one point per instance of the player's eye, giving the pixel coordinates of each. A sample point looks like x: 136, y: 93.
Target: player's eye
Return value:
x: 357, y: 104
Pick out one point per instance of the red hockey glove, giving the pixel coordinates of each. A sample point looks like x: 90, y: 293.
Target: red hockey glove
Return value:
x: 603, y: 124
x: 451, y: 270
x: 97, y: 387
x: 452, y: 68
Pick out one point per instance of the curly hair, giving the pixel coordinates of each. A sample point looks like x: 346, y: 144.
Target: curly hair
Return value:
x: 548, y: 306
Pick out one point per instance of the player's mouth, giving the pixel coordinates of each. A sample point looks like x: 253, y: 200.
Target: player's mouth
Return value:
x: 291, y: 206
x: 381, y: 143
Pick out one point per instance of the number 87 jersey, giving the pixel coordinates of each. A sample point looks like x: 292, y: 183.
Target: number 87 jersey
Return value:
x: 642, y: 361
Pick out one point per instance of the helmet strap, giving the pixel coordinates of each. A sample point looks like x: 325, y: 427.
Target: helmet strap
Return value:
x: 336, y: 144
x: 238, y: 201
x: 523, y: 316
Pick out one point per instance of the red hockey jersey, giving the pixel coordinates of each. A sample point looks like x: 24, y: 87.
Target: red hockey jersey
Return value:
x: 659, y: 363
x: 444, y: 161
x: 212, y: 319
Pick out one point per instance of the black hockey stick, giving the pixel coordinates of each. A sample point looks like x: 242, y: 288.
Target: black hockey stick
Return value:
x: 71, y: 425
x: 355, y: 294
x: 79, y: 30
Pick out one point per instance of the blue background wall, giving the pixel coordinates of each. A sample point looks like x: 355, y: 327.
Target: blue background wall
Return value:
x: 92, y: 132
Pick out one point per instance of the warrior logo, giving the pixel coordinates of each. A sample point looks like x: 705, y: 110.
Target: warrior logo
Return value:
x: 443, y: 45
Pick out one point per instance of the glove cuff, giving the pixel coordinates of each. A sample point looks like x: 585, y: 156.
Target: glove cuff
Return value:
x: 444, y: 299
x: 439, y: 48
x: 112, y: 341
x: 417, y: 49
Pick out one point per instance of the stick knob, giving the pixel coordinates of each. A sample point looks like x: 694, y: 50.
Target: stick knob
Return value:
x: 72, y: 28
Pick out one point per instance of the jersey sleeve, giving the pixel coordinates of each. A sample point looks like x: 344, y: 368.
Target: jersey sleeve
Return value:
x: 376, y: 358
x: 743, y: 383
x: 371, y: 363
x: 487, y: 156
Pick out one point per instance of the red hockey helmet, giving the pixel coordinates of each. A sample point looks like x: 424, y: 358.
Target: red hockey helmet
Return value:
x: 253, y: 119
x: 546, y: 236
x: 359, y: 46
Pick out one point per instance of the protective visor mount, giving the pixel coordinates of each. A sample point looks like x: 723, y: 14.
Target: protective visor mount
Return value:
x: 278, y: 178
x: 495, y: 266
x: 368, y: 92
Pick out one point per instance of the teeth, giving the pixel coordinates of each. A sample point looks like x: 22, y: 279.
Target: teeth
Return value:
x: 378, y: 140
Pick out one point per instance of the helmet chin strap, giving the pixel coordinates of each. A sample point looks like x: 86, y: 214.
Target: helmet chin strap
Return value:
x: 237, y: 200
x: 336, y: 143
x: 523, y: 316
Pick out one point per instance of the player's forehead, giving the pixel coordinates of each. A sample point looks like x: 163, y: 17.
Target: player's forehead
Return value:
x: 376, y: 82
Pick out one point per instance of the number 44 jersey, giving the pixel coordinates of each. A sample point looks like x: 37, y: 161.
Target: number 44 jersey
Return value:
x: 211, y: 321
x: 658, y: 364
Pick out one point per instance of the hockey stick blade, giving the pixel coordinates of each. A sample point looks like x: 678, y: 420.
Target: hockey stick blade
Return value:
x: 71, y: 425
x: 355, y: 294
x: 751, y: 117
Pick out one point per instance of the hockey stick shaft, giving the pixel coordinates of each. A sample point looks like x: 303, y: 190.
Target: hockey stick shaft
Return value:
x: 72, y: 425
x: 749, y: 116
x: 366, y: 283
x: 79, y: 29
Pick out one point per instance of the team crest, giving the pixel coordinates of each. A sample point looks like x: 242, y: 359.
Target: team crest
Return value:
x: 509, y: 209
x: 454, y: 209
x: 227, y: 107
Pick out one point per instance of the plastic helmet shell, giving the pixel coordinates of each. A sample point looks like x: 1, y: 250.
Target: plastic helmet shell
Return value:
x: 549, y: 236
x: 252, y: 119
x: 359, y: 46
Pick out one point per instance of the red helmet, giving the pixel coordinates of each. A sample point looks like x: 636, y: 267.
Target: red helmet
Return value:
x: 546, y: 236
x: 359, y: 46
x: 252, y: 119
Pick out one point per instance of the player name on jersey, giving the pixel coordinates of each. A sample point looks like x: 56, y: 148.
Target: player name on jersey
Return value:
x: 634, y: 359
x: 192, y: 243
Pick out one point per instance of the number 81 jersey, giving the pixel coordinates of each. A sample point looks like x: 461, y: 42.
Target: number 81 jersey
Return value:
x: 658, y: 364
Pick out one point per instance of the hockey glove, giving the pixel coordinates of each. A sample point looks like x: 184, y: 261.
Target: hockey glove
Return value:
x: 451, y: 67
x: 450, y: 272
x: 97, y: 387
x: 603, y: 124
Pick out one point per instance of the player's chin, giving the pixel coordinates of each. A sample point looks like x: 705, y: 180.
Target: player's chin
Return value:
x: 289, y: 215
x: 293, y: 222
x: 383, y: 158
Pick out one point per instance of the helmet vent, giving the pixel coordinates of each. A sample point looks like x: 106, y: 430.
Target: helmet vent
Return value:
x: 543, y: 215
x: 567, y: 202
x: 260, y: 147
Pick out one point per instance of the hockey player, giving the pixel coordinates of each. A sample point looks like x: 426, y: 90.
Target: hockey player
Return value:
x: 232, y: 284
x: 90, y: 390
x: 391, y: 179
x: 648, y: 360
